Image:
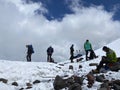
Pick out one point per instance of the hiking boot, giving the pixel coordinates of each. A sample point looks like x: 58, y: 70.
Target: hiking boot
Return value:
x: 96, y: 56
x: 89, y: 85
x: 95, y: 71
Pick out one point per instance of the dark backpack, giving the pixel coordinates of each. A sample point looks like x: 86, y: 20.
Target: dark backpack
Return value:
x: 92, y: 55
x: 30, y: 48
x: 50, y: 50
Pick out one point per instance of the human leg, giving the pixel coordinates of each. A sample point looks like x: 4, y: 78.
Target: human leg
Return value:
x: 71, y: 57
x: 50, y: 59
x: 86, y: 54
x: 103, y: 61
x: 47, y: 57
x: 28, y: 57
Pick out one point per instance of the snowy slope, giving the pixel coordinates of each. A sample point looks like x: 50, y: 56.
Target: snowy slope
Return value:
x: 114, y: 45
x: 28, y: 72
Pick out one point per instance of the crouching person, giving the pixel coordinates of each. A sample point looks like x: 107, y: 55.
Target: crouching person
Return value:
x: 109, y: 58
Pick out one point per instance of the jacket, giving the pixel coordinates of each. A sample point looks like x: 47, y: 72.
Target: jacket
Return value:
x: 50, y: 50
x: 111, y: 55
x: 87, y: 46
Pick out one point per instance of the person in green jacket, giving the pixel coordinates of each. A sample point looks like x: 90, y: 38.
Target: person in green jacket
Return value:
x: 88, y: 48
x: 109, y: 58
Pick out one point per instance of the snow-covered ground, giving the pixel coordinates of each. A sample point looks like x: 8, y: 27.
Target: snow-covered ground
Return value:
x: 28, y: 72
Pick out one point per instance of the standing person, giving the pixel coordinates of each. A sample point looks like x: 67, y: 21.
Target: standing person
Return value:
x: 30, y: 51
x: 50, y: 51
x: 109, y: 58
x: 72, y: 53
x: 88, y: 48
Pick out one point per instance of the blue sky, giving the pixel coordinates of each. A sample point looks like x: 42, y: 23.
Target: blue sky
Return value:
x: 109, y: 5
x: 58, y: 8
x: 58, y: 23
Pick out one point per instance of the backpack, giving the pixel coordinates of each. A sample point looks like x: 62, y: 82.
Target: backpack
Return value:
x: 30, y: 48
x: 50, y: 50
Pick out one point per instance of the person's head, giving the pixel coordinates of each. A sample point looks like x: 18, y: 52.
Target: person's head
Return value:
x: 72, y: 45
x: 50, y: 46
x: 26, y: 45
x: 105, y: 48
x: 87, y: 40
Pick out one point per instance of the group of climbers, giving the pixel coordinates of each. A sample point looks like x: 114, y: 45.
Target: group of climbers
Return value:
x: 50, y: 50
x: 30, y: 51
x: 72, y: 83
x: 88, y: 50
x: 109, y: 58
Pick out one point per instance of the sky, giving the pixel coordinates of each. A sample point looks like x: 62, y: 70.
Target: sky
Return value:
x: 59, y: 23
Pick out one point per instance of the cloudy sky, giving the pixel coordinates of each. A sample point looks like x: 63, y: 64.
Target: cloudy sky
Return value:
x: 58, y: 23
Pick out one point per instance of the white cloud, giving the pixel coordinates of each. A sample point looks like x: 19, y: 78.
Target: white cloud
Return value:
x: 116, y: 7
x: 74, y: 5
x: 20, y: 26
x: 27, y: 9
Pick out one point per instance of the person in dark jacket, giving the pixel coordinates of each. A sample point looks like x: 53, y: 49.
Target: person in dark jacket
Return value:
x: 50, y: 51
x: 72, y: 53
x: 30, y: 51
x: 109, y: 58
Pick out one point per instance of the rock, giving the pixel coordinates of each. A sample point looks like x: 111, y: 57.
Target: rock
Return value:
x: 104, y: 85
x: 78, y: 60
x: 75, y: 86
x: 70, y: 67
x: 15, y: 83
x: 100, y: 78
x: 28, y: 84
x: 93, y: 64
x: 28, y: 87
x: 80, y: 66
x: 116, y: 87
x: 104, y: 89
x: 78, y: 80
x: 91, y: 79
x: 115, y: 67
x: 59, y: 83
x: 21, y: 89
x: 36, y: 81
x: 70, y: 81
x: 3, y: 80
x: 116, y: 82
x: 61, y: 64
x: 58, y: 67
